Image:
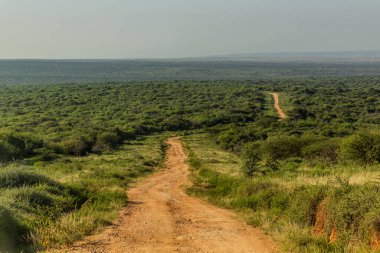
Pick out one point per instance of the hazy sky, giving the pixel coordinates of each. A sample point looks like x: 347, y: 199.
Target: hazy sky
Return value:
x: 181, y: 28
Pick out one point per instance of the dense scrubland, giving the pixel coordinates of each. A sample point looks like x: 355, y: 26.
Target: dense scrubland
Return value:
x: 69, y: 151
x: 46, y: 120
x: 311, y: 180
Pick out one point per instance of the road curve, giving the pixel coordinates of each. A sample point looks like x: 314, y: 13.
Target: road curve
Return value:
x: 161, y: 217
x: 280, y: 112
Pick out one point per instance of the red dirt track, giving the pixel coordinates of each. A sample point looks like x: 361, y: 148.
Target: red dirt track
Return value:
x: 281, y: 114
x: 161, y: 217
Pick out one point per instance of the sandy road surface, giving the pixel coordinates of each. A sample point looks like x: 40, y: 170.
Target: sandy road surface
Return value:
x: 281, y: 114
x: 161, y: 217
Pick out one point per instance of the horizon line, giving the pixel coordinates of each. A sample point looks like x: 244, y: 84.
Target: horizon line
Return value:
x: 274, y: 54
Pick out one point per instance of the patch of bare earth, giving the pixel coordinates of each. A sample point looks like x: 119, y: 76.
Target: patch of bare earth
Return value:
x: 279, y: 110
x: 161, y: 217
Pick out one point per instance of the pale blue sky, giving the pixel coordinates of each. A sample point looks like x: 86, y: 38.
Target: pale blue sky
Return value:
x: 184, y: 28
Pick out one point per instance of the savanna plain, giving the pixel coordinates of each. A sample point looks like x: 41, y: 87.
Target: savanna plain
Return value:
x: 284, y: 164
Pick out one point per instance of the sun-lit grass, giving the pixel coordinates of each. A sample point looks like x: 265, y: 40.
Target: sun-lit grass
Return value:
x: 212, y: 155
x: 269, y: 105
x: 67, y: 198
x: 305, y: 175
x: 285, y: 103
x: 285, y: 203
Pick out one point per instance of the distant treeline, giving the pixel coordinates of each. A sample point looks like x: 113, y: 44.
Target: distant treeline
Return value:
x: 98, y: 71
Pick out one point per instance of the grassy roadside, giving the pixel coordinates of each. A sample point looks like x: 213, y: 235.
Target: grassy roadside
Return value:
x: 284, y: 101
x: 306, y: 210
x: 65, y: 199
x: 269, y: 105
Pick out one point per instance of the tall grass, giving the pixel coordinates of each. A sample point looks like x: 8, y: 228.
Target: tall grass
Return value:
x: 47, y: 204
x: 336, y: 216
x: 26, y: 200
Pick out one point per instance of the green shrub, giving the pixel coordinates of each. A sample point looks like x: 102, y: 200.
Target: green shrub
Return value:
x: 305, y: 200
x: 12, y: 232
x: 251, y: 187
x: 326, y: 150
x: 33, y: 198
x: 7, y: 152
x: 251, y: 156
x: 16, y: 146
x: 222, y: 185
x: 281, y: 147
x: 78, y: 146
x: 363, y: 147
x: 251, y: 202
x: 195, y: 163
x: 18, y: 178
x: 353, y: 210
x: 304, y: 242
x: 176, y: 123
x: 267, y: 164
x: 106, y: 141
x: 257, y: 159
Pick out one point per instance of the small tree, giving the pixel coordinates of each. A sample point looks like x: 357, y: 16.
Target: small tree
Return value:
x: 251, y: 156
x: 363, y: 147
x: 251, y: 165
x: 268, y: 164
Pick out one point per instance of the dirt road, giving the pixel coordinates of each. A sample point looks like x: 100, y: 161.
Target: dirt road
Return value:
x: 281, y: 114
x: 161, y: 217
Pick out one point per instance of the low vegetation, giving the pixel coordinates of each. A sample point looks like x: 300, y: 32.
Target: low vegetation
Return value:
x: 68, y: 152
x: 320, y: 205
x: 46, y: 204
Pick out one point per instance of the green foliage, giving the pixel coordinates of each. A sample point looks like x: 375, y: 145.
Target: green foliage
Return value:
x: 305, y: 200
x: 363, y: 147
x: 290, y: 207
x: 252, y: 157
x: 16, y: 146
x: 79, y: 119
x: 26, y: 199
x: 11, y: 232
x: 323, y: 149
x: 353, y: 211
x: 75, y: 146
x: 73, y: 197
x: 106, y: 141
x: 281, y: 147
x: 19, y: 178
x: 76, y: 165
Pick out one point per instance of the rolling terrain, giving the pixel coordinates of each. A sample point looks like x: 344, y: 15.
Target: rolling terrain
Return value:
x: 73, y: 155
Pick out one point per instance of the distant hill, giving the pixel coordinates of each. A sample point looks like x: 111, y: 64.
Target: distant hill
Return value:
x: 343, y: 56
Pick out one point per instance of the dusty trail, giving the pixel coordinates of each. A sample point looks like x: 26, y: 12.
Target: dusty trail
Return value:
x: 161, y: 217
x: 281, y: 114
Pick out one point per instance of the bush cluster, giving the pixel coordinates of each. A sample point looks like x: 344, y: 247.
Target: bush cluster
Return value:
x: 25, y: 199
x: 264, y: 155
x: 349, y: 211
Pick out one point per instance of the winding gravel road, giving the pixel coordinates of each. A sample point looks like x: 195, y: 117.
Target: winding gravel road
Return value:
x: 161, y: 217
